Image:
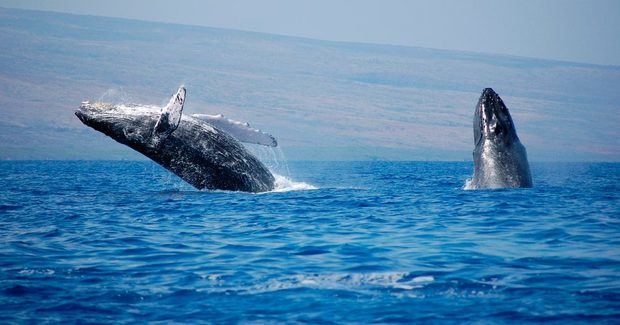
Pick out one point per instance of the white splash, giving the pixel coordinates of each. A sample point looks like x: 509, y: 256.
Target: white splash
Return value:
x: 469, y: 184
x: 274, y: 159
x: 114, y: 96
x: 285, y: 184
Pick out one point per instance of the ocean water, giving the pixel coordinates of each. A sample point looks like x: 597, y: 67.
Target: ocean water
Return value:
x: 345, y: 242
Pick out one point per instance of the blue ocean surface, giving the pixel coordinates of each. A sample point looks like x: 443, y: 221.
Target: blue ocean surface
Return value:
x: 346, y: 242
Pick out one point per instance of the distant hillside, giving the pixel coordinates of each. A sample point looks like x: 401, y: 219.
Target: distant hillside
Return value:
x: 322, y: 100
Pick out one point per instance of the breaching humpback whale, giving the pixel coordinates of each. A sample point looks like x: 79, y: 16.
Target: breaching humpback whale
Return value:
x: 200, y: 152
x: 500, y: 160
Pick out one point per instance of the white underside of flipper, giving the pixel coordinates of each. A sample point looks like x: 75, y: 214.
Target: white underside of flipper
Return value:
x: 239, y: 130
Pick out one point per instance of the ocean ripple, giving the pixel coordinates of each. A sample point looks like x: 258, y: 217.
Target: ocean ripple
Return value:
x: 365, y: 242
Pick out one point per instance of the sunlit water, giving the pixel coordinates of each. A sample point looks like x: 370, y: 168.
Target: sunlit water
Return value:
x: 340, y: 242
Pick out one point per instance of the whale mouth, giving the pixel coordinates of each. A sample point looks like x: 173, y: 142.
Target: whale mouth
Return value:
x: 492, y: 119
x: 491, y: 107
x: 81, y: 114
x: 89, y: 113
x: 84, y: 112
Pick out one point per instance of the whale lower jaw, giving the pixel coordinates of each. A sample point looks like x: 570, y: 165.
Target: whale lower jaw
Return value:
x: 500, y: 166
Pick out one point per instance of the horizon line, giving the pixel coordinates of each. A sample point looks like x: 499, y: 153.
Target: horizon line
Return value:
x: 313, y: 160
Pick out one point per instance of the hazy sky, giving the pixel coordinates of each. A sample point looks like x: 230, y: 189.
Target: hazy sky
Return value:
x: 582, y: 31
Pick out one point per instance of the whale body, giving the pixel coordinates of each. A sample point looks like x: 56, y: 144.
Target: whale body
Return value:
x: 199, y: 153
x: 500, y: 160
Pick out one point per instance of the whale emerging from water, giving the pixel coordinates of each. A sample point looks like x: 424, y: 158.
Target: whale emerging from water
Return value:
x: 204, y: 153
x: 500, y: 160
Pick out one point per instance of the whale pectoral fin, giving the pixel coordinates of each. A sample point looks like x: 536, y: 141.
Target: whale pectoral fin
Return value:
x: 170, y: 115
x: 239, y: 130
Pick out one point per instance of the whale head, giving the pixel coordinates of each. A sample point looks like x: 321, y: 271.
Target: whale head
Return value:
x: 492, y: 121
x: 138, y: 126
x: 130, y: 125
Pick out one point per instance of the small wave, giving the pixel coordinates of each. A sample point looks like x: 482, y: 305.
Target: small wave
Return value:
x: 346, y: 281
x: 285, y: 184
x: 38, y: 272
